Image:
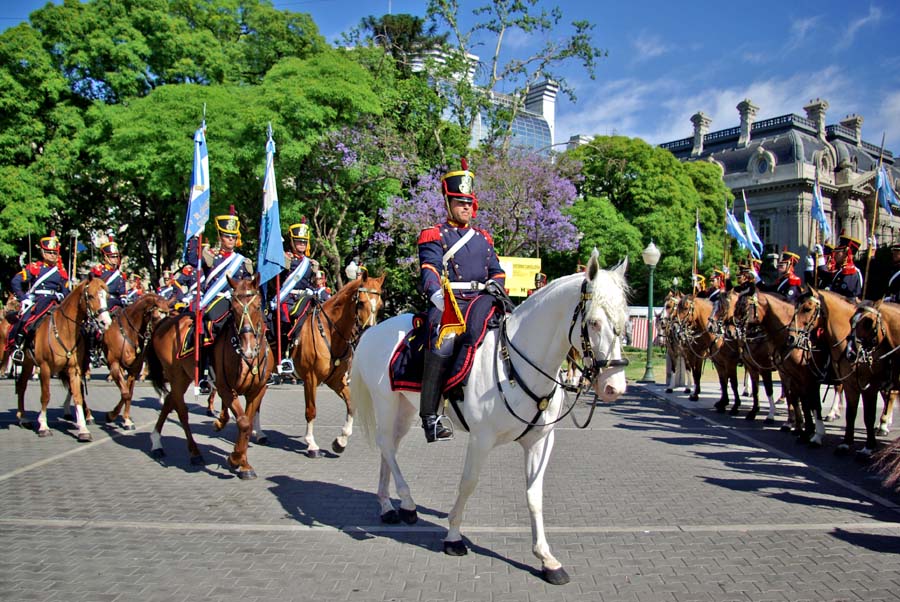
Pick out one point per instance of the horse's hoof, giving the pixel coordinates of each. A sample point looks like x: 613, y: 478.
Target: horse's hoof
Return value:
x: 670, y: 390
x: 128, y: 427
x: 735, y: 411
x: 410, y: 517
x: 882, y: 432
x: 828, y: 419
x: 314, y: 453
x: 158, y: 452
x: 246, y: 475
x: 719, y: 406
x: 45, y: 433
x: 693, y: 397
x: 786, y: 428
x: 390, y: 517
x: 555, y: 576
x: 455, y: 548
x: 197, y: 460
x: 68, y: 417
x: 89, y: 420
x: 337, y: 447
x: 85, y: 437
x: 863, y: 456
x: 110, y: 418
x: 769, y: 421
x: 218, y: 426
x: 751, y: 415
x: 842, y: 450
x: 262, y: 440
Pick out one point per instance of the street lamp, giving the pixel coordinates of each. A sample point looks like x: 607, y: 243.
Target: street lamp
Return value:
x: 650, y: 255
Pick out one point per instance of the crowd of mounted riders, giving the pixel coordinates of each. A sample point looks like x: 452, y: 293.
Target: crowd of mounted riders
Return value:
x: 811, y: 331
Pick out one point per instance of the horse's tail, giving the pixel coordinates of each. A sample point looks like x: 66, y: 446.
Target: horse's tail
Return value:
x: 155, y: 370
x: 364, y: 406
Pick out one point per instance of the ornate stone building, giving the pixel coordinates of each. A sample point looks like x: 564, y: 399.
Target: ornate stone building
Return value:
x: 774, y: 163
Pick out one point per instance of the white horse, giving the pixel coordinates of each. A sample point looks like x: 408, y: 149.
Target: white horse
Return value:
x: 586, y: 311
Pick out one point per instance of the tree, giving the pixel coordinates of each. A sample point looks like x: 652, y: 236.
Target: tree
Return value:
x: 470, y: 98
x: 404, y: 37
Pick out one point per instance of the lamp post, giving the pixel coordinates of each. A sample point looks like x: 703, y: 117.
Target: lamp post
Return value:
x: 650, y: 255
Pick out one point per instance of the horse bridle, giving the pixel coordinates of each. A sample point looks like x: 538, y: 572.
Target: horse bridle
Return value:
x: 592, y: 367
x: 246, y: 326
x: 91, y: 314
x: 373, y: 307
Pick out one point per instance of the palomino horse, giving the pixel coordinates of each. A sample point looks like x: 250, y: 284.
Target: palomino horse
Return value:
x: 125, y: 343
x: 9, y: 317
x: 240, y: 355
x: 323, y: 350
x: 527, y: 349
x: 764, y: 323
x: 60, y: 349
x: 694, y: 339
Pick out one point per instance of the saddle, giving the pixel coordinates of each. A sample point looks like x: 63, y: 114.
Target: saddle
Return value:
x: 408, y: 360
x: 207, y: 337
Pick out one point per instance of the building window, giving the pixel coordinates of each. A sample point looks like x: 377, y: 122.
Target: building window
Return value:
x: 764, y: 228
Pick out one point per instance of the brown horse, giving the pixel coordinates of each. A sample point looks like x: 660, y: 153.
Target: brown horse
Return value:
x: 323, y: 349
x: 668, y: 327
x: 692, y: 314
x: 125, y: 344
x: 242, y: 362
x: 60, y: 349
x: 241, y: 356
x: 725, y: 350
x: 765, y: 323
x: 9, y: 317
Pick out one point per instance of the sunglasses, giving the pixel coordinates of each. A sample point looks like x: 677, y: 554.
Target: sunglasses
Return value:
x: 228, y: 236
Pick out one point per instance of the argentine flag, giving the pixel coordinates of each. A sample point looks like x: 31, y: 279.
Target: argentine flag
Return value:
x: 270, y: 260
x: 198, y: 205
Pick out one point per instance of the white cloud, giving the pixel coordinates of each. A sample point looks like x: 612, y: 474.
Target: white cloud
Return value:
x: 799, y: 30
x: 648, y: 46
x: 853, y: 28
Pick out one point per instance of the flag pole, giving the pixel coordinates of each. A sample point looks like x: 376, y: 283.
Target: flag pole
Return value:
x: 725, y: 239
x: 694, y: 273
x: 874, y: 222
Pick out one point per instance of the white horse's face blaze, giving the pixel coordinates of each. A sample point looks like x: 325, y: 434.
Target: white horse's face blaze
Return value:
x: 99, y: 307
x: 606, y: 316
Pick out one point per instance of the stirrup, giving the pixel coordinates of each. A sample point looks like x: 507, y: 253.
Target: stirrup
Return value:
x: 205, y: 387
x: 18, y: 356
x: 441, y: 420
x: 286, y: 366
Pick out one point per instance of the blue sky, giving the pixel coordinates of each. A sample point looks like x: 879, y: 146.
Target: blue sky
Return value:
x: 668, y: 60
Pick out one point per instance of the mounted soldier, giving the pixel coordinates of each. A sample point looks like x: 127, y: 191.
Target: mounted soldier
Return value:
x: 323, y: 291
x: 540, y: 281
x: 38, y: 287
x: 893, y: 286
x: 109, y: 270
x: 216, y: 264
x: 748, y: 273
x: 716, y: 286
x: 844, y: 278
x: 298, y: 285
x: 456, y: 261
x: 788, y: 284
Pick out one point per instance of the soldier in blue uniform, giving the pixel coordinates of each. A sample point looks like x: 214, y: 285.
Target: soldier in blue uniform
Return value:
x: 38, y: 287
x: 788, y: 283
x: 110, y: 271
x: 748, y: 273
x: 716, y: 286
x: 845, y: 278
x: 540, y: 281
x: 323, y: 292
x: 460, y: 259
x: 216, y: 265
x: 298, y: 283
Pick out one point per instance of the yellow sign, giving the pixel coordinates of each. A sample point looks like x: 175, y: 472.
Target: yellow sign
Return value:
x: 520, y: 272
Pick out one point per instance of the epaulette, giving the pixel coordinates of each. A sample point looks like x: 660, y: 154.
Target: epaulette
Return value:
x: 849, y: 269
x: 187, y: 270
x: 431, y: 234
x: 794, y: 280
x: 34, y: 268
x: 96, y: 270
x: 484, y: 233
x: 63, y: 273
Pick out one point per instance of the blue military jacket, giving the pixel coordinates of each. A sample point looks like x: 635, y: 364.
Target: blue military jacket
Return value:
x: 475, y: 262
x: 52, y: 288
x: 115, y: 282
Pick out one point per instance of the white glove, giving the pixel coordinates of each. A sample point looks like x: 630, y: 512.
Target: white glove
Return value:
x: 438, y: 299
x: 26, y: 304
x: 809, y: 264
x: 821, y: 261
x: 818, y: 250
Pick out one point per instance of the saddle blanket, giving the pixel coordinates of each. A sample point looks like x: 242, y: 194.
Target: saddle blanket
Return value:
x: 408, y: 360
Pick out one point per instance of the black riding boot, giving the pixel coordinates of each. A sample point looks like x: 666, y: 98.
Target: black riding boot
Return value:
x: 205, y: 386
x: 432, y: 382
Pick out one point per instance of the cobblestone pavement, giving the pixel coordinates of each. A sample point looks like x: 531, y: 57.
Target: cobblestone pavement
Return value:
x: 661, y: 499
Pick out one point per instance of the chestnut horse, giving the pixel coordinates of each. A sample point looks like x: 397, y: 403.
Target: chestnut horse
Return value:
x: 323, y: 349
x: 240, y: 355
x: 9, y: 317
x: 691, y: 315
x: 60, y: 349
x: 125, y: 343
x: 765, y: 323
x: 725, y: 350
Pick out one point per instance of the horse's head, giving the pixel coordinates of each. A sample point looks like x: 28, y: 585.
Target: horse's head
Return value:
x: 748, y: 310
x: 605, y: 298
x: 153, y: 308
x: 246, y: 311
x: 808, y: 316
x: 368, y: 300
x: 96, y: 294
x: 867, y: 326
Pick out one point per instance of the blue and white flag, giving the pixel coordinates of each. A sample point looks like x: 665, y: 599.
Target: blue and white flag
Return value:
x: 270, y: 260
x: 818, y: 210
x: 733, y: 228
x: 752, y: 237
x: 699, y: 242
x: 886, y: 195
x: 198, y: 206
